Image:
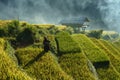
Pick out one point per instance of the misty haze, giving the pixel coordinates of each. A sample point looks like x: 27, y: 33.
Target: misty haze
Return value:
x: 102, y: 13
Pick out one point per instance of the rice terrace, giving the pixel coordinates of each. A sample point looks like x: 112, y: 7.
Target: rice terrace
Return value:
x: 59, y: 40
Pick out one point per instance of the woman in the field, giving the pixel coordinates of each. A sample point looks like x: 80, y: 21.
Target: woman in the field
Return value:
x: 46, y: 44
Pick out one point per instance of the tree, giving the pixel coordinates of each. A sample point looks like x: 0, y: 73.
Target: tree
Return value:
x: 95, y: 33
x: 27, y: 36
x: 70, y: 30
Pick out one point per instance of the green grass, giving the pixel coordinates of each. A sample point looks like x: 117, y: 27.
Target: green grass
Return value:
x: 46, y: 26
x: 114, y: 60
x: 25, y: 55
x: 2, y: 43
x: 66, y: 44
x: 108, y: 73
x: 116, y: 45
x: 8, y: 68
x: 94, y: 53
x: 41, y: 65
x: 10, y: 51
x: 111, y: 48
x: 76, y: 65
x: 4, y: 22
x: 47, y: 68
x: 76, y: 52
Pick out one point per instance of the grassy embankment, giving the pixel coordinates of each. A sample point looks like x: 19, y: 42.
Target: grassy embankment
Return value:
x: 72, y: 60
x: 114, y: 67
x: 94, y: 53
x: 8, y: 68
x: 41, y: 65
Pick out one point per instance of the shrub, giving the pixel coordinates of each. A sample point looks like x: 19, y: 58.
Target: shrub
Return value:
x: 13, y: 28
x: 23, y: 24
x: 70, y: 30
x: 53, y: 30
x: 27, y: 36
x: 43, y: 31
x: 2, y: 32
x: 106, y: 37
x: 95, y: 33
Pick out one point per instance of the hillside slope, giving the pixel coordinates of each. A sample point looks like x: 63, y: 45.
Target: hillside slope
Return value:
x: 41, y: 65
x: 71, y: 54
x: 71, y: 57
x: 76, y: 65
x: 8, y: 68
x: 94, y: 53
x: 113, y: 69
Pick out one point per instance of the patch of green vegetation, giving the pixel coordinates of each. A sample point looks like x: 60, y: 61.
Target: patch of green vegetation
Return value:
x: 46, y: 26
x: 25, y: 55
x: 95, y: 33
x: 53, y: 45
x: 94, y: 53
x: 114, y: 60
x: 9, y: 28
x: 65, y: 43
x: 26, y: 36
x: 111, y: 48
x: 108, y: 73
x: 5, y: 22
x: 2, y: 43
x: 10, y: 51
x: 76, y: 65
x: 41, y: 65
x: 116, y: 44
x: 47, y: 68
x: 8, y: 68
x: 76, y: 53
